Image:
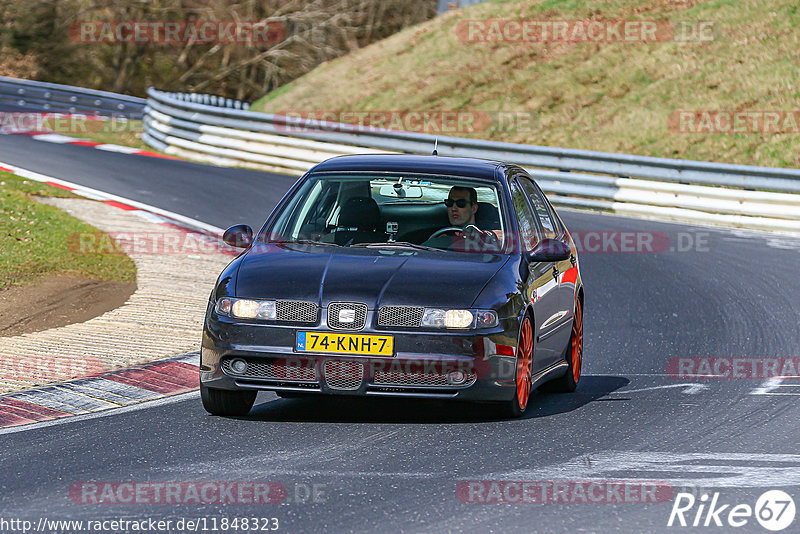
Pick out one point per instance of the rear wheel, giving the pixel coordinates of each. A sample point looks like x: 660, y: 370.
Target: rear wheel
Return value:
x: 517, y: 405
x: 225, y: 402
x: 569, y: 382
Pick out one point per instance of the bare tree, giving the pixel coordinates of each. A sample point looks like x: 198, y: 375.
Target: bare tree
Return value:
x: 311, y: 32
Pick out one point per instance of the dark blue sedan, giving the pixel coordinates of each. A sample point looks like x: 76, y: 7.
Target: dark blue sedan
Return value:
x: 401, y: 276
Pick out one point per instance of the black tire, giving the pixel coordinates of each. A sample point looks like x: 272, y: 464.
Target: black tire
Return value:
x: 569, y: 382
x: 508, y: 409
x: 225, y: 402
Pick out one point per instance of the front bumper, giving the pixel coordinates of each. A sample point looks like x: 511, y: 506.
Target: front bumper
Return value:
x: 419, y: 367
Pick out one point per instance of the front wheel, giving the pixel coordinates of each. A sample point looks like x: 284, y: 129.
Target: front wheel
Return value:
x: 517, y: 405
x: 225, y: 402
x: 569, y: 382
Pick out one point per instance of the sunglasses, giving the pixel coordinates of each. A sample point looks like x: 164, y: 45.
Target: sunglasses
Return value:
x: 461, y: 202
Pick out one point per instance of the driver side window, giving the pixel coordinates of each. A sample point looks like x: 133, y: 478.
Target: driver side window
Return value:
x: 541, y: 208
x: 525, y: 218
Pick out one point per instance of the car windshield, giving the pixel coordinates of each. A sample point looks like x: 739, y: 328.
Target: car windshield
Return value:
x: 438, y: 213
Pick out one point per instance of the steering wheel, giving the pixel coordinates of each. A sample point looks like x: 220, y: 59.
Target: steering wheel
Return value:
x: 485, y: 239
x: 455, y: 229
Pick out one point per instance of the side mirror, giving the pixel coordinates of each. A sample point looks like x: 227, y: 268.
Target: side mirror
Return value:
x: 548, y: 250
x: 239, y: 236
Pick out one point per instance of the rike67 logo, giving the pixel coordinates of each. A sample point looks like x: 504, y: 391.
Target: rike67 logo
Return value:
x: 774, y: 510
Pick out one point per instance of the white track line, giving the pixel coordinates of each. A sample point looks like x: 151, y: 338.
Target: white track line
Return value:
x: 102, y: 195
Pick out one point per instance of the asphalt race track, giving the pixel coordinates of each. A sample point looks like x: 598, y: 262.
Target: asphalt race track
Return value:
x: 396, y: 465
x: 180, y: 186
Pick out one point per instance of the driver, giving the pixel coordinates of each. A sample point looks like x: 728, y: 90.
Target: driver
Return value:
x: 462, y: 205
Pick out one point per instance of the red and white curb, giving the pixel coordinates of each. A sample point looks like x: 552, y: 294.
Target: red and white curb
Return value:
x: 151, y: 213
x: 61, y: 139
x: 114, y: 389
x: 101, y: 392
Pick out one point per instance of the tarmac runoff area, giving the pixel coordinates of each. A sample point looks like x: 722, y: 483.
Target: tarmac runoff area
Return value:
x: 162, y: 320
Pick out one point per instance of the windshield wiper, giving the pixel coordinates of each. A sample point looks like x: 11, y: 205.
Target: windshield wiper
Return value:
x: 303, y: 242
x: 399, y: 244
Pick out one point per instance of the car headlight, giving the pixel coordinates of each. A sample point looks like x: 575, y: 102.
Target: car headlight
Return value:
x: 458, y: 319
x: 246, y: 308
x: 486, y: 319
x: 223, y: 307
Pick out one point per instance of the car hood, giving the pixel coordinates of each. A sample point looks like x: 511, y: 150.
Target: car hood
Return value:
x: 375, y: 277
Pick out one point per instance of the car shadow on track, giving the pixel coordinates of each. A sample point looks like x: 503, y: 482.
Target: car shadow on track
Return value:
x: 383, y: 410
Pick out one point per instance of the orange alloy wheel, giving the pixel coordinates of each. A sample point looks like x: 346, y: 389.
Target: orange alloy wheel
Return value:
x: 577, y: 341
x: 524, y: 363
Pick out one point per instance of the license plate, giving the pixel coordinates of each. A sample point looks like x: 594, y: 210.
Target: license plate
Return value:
x: 336, y: 343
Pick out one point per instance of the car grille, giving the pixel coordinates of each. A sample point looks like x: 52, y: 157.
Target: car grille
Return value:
x: 343, y: 375
x: 300, y: 371
x: 296, y: 311
x: 411, y: 379
x: 405, y: 316
x: 359, y: 319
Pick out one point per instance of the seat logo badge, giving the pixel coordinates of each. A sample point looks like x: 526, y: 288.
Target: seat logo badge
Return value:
x: 347, y: 316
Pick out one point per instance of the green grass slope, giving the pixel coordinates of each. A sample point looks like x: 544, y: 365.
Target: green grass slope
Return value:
x: 38, y: 240
x: 609, y: 96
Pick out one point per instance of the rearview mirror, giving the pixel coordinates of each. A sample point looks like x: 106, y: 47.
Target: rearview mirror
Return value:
x: 401, y: 191
x: 548, y: 250
x: 239, y: 236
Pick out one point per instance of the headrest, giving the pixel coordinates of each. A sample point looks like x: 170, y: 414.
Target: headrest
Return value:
x: 487, y: 217
x: 361, y: 213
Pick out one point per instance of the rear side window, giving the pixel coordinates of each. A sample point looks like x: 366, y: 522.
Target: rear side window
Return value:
x: 539, y: 204
x: 525, y: 218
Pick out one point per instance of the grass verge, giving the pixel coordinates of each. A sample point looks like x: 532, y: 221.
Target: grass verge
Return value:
x: 111, y: 131
x: 610, y: 96
x: 37, y: 239
x: 128, y: 133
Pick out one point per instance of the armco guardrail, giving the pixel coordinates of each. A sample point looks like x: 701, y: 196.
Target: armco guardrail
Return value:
x: 209, y: 100
x: 32, y: 96
x: 704, y: 192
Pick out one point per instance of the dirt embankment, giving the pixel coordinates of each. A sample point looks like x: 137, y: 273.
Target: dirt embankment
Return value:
x: 57, y: 300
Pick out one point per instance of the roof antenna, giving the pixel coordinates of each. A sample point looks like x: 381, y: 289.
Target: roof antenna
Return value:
x: 436, y: 147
